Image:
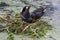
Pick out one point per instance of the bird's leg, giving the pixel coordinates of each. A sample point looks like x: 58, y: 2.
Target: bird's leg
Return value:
x: 33, y: 19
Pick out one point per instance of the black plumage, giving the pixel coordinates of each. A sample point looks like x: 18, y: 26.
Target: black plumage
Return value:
x: 25, y: 15
x: 38, y: 13
x: 31, y: 17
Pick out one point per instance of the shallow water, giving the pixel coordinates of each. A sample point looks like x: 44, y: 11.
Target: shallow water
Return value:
x: 55, y: 16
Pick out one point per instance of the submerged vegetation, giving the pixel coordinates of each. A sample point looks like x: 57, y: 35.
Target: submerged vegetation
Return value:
x: 36, y: 30
x: 10, y: 37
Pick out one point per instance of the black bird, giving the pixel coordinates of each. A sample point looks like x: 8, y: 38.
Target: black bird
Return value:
x: 25, y: 15
x: 31, y: 17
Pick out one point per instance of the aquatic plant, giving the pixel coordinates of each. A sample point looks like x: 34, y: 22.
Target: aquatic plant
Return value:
x: 10, y: 37
x: 37, y: 29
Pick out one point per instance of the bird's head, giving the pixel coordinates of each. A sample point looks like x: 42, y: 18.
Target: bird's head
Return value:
x: 25, y: 11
